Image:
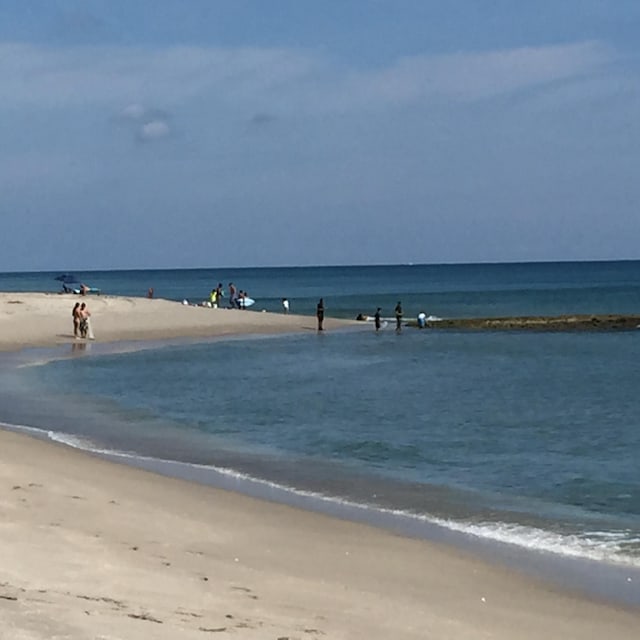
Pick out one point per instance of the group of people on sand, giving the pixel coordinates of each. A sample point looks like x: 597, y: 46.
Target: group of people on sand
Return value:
x: 236, y: 297
x: 83, y: 289
x: 216, y: 295
x: 81, y: 321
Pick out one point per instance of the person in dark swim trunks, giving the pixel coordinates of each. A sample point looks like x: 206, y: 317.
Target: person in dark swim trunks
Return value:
x: 398, y: 312
x: 320, y: 314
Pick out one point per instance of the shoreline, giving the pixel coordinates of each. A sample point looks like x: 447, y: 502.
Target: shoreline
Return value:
x: 29, y: 319
x: 277, y: 570
x: 550, y: 556
x: 616, y: 581
x: 91, y: 544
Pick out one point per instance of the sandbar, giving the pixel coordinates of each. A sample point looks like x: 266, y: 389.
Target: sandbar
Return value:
x: 44, y: 319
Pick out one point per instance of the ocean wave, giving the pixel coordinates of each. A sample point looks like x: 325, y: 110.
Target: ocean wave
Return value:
x: 23, y: 428
x: 620, y: 547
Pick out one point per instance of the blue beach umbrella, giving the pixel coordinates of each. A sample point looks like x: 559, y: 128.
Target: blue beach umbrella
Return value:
x: 68, y: 278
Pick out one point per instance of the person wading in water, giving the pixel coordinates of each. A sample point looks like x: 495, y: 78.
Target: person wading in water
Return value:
x: 320, y: 314
x: 398, y: 312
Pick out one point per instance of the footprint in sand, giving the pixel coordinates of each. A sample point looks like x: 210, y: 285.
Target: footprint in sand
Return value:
x: 245, y: 590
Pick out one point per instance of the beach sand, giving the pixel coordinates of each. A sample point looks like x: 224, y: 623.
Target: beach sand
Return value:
x: 93, y: 549
x: 44, y: 319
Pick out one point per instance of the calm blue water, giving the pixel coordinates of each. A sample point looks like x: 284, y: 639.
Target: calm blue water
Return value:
x: 464, y: 290
x: 529, y: 438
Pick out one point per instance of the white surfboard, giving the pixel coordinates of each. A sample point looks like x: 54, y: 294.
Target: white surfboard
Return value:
x: 89, y: 290
x: 90, y: 330
x: 246, y: 302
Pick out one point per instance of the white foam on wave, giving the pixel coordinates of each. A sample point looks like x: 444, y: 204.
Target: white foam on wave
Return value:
x: 22, y: 427
x: 604, y: 546
x: 75, y: 442
x: 66, y: 439
x: 601, y: 546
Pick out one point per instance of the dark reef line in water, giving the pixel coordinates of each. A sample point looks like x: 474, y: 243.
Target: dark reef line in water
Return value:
x: 613, y: 322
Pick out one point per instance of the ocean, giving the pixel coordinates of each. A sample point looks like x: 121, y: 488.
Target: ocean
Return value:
x: 516, y: 441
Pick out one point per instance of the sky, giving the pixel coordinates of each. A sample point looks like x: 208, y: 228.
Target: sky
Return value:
x: 221, y: 133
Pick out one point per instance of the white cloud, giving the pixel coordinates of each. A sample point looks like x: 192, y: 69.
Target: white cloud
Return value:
x: 146, y: 124
x: 465, y: 77
x: 277, y: 80
x: 116, y: 75
x: 472, y: 76
x: 154, y: 130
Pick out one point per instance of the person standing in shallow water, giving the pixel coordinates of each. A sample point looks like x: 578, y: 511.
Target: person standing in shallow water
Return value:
x: 320, y: 314
x: 376, y: 319
x: 398, y: 312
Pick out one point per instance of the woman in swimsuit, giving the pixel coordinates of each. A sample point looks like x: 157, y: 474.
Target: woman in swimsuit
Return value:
x: 75, y: 314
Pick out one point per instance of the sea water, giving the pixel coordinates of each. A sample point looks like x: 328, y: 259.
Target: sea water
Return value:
x: 528, y: 438
x: 457, y: 290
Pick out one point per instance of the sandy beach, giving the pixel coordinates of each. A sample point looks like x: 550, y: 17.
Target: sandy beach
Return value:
x: 93, y: 549
x: 44, y: 319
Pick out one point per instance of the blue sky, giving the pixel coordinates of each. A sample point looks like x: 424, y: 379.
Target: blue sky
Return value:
x: 189, y: 133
